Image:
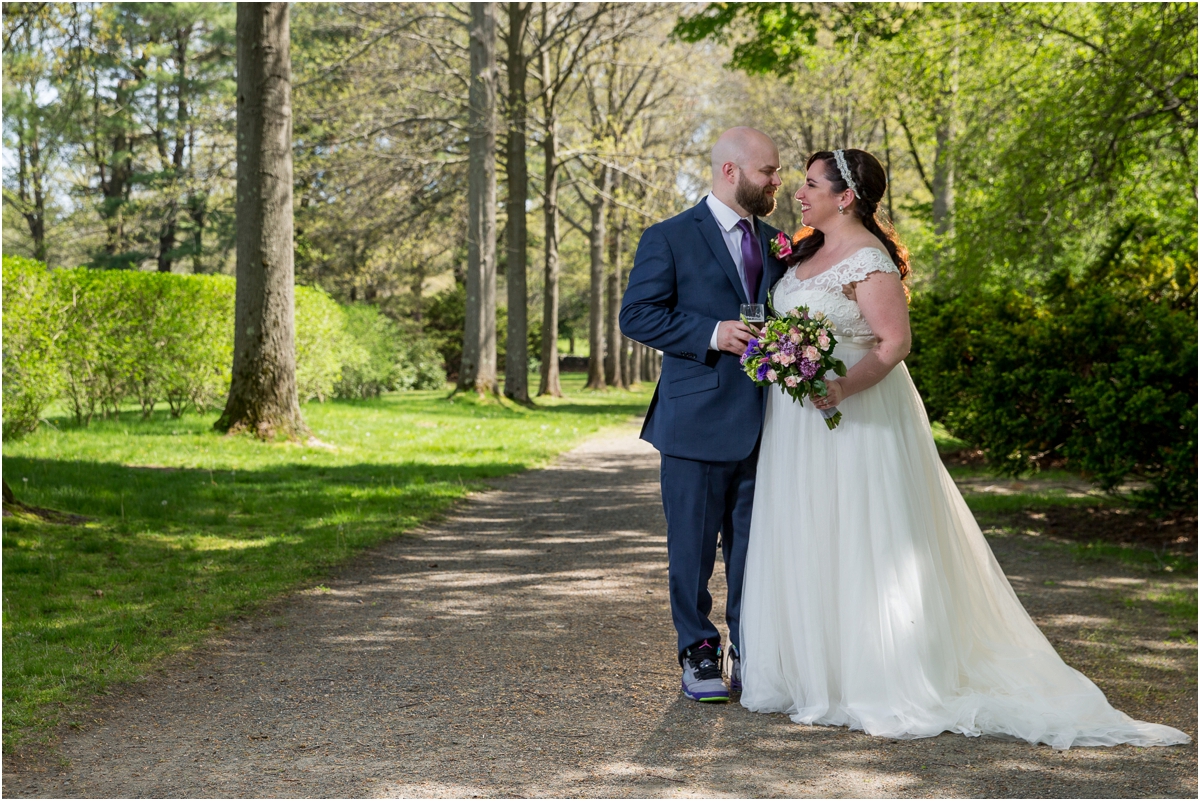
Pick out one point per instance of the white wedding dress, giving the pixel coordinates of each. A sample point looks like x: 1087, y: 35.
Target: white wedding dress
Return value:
x: 872, y: 599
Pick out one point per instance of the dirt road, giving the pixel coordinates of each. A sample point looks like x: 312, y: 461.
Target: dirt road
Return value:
x: 523, y: 647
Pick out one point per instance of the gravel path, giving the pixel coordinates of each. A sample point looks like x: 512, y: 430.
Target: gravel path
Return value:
x: 523, y: 647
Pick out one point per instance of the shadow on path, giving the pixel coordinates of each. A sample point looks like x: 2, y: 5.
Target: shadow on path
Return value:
x: 521, y: 647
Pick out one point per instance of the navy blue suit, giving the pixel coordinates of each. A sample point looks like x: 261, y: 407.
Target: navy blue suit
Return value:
x: 706, y: 415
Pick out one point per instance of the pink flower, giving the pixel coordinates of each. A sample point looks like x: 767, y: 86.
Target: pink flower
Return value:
x: 823, y: 339
x: 772, y: 376
x: 794, y: 336
x: 812, y: 354
x: 781, y: 246
x: 791, y: 381
x: 785, y: 359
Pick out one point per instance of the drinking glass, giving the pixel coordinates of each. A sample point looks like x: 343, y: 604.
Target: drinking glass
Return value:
x: 754, y: 313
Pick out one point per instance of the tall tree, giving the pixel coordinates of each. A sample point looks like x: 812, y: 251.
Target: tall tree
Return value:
x: 623, y: 82
x: 516, y: 358
x: 615, y: 357
x: 38, y: 109
x: 564, y: 35
x: 262, y: 396
x: 479, y: 339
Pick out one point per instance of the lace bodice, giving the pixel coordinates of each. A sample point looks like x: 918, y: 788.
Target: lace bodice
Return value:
x: 823, y: 292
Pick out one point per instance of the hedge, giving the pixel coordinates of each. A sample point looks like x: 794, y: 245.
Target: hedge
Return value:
x: 1098, y: 374
x: 33, y: 328
x: 99, y: 339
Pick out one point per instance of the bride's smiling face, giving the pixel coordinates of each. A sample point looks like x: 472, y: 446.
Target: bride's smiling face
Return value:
x: 818, y: 201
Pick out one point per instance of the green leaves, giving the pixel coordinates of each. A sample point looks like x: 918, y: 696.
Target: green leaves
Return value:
x: 33, y: 326
x: 779, y: 32
x: 1098, y: 374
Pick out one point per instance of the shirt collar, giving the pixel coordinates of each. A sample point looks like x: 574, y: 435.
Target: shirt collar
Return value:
x: 727, y: 218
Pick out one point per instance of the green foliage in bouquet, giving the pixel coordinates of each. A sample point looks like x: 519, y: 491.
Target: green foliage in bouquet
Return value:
x: 794, y: 351
x: 1099, y: 371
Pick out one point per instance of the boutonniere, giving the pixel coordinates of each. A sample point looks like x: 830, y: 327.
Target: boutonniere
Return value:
x: 781, y: 246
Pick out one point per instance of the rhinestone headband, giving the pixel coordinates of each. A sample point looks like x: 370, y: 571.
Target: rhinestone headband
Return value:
x: 844, y: 169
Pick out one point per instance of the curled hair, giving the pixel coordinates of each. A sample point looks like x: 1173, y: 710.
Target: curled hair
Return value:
x: 870, y: 180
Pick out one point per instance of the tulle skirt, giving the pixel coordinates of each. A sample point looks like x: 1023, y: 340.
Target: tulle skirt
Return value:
x: 873, y: 601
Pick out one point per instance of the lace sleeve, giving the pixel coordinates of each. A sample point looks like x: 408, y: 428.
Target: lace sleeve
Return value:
x: 865, y: 262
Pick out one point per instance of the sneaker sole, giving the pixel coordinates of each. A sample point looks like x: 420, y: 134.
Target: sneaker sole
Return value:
x: 714, y: 698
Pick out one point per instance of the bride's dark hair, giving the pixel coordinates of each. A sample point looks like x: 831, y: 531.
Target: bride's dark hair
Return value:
x: 871, y: 182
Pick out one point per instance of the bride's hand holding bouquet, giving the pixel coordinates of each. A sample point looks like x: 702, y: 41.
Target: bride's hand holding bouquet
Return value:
x: 794, y: 351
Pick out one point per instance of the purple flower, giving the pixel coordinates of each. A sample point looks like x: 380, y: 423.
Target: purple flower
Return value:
x: 807, y: 369
x: 762, y: 371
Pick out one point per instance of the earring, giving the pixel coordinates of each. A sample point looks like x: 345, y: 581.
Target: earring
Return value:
x: 841, y: 209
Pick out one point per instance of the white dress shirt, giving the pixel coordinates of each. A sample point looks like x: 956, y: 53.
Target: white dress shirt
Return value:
x: 727, y: 220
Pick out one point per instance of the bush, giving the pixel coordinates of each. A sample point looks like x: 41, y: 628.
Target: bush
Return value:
x: 389, y: 357
x: 445, y: 320
x: 32, y: 329
x: 102, y: 338
x: 1098, y: 373
x: 322, y: 344
x: 148, y: 336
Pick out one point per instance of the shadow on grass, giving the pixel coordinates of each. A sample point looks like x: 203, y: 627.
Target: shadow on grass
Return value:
x: 172, y: 552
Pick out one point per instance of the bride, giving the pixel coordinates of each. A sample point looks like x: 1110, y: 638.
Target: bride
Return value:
x: 871, y: 598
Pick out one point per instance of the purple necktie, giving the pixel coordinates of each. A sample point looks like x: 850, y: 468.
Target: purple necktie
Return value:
x: 751, y: 259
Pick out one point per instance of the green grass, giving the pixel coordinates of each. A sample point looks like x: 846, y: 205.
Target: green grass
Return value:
x: 190, y: 528
x: 947, y: 442
x: 1144, y: 558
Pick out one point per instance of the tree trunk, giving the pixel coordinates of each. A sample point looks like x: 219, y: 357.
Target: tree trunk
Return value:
x: 943, y: 163
x: 597, y: 236
x: 549, y: 380
x: 635, y: 362
x: 262, y: 396
x: 29, y: 176
x: 516, y: 364
x: 614, y: 373
x: 166, y: 239
x: 478, y: 370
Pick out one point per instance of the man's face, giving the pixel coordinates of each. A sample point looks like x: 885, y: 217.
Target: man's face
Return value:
x: 757, y: 181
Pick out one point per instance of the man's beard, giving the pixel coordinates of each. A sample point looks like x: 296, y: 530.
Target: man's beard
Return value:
x: 753, y: 199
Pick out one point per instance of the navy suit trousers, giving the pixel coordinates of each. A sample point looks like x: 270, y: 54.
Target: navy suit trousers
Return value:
x: 702, y: 500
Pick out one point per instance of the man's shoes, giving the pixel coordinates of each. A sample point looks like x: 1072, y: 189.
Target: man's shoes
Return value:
x: 731, y: 663
x: 702, y: 674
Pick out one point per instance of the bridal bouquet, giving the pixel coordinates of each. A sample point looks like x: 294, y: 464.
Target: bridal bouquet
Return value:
x: 794, y: 351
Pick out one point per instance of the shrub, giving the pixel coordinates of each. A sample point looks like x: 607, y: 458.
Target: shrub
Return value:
x: 148, y: 336
x: 32, y: 330
x: 196, y: 348
x: 102, y: 338
x: 390, y: 356
x: 322, y: 344
x: 445, y: 319
x: 1099, y: 372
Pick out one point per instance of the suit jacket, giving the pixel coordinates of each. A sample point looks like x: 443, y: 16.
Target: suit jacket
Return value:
x: 684, y: 282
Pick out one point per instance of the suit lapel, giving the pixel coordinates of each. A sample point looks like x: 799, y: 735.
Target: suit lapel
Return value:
x: 716, y: 243
x: 769, y: 264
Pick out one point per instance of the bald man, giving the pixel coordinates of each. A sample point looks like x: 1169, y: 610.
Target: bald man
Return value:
x: 689, y: 279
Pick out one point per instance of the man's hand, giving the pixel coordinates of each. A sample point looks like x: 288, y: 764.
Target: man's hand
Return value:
x: 733, y: 336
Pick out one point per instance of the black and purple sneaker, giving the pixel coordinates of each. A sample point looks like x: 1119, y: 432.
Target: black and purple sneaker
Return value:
x: 702, y: 674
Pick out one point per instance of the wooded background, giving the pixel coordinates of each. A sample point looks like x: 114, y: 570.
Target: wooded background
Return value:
x: 1042, y: 161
